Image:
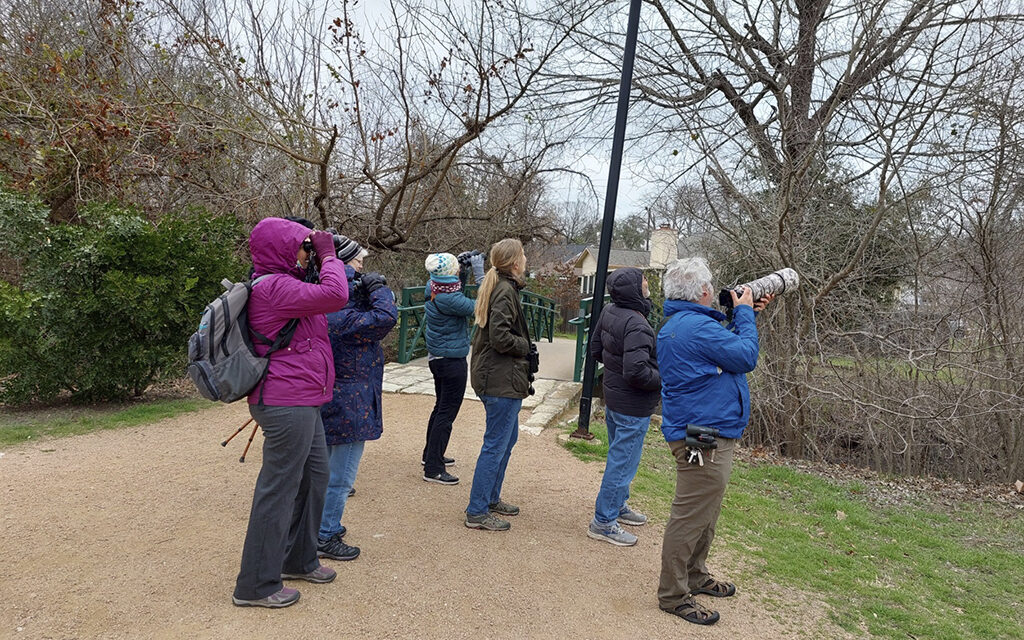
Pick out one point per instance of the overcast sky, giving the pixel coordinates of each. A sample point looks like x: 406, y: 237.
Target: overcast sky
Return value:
x: 593, y: 161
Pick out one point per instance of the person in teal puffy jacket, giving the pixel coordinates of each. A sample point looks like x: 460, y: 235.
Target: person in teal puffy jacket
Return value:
x: 447, y: 312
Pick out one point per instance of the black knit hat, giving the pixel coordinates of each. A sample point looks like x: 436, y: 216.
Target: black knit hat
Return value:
x: 346, y: 248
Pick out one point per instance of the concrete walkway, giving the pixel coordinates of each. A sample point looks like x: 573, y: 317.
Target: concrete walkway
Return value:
x: 555, y: 390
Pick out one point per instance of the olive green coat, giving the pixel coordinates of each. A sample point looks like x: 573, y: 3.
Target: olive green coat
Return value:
x: 498, y: 365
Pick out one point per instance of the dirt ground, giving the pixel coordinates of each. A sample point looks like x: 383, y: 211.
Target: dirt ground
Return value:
x: 136, y: 533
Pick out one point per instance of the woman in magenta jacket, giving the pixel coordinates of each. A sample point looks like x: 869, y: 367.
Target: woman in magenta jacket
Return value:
x: 280, y: 543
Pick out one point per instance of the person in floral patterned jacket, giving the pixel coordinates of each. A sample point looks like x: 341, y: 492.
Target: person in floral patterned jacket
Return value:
x: 353, y: 416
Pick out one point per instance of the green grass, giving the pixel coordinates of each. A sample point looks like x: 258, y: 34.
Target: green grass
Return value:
x: 19, y: 427
x: 916, y: 571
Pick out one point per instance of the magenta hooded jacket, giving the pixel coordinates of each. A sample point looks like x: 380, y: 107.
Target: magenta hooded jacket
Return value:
x: 302, y: 374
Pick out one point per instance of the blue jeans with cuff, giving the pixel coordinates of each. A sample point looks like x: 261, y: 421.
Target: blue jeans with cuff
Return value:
x: 625, y: 444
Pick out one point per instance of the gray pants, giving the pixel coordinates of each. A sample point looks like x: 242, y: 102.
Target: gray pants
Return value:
x: 691, y: 525
x: 287, y: 502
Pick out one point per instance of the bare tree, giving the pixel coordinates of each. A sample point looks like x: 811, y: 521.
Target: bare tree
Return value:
x: 812, y: 128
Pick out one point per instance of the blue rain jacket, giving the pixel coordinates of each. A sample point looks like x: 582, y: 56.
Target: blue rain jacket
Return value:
x: 703, y: 367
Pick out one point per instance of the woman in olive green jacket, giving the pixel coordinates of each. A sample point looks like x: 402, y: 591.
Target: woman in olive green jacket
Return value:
x: 500, y: 374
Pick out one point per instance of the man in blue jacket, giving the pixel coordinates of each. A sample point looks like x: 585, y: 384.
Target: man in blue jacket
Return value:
x: 703, y: 368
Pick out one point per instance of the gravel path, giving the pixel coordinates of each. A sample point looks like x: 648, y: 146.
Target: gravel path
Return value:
x: 136, y: 533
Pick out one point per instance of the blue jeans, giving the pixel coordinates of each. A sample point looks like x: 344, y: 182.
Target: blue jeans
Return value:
x: 344, y: 463
x: 625, y: 444
x: 500, y: 436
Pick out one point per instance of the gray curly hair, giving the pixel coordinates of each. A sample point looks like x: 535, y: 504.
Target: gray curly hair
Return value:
x: 686, y: 279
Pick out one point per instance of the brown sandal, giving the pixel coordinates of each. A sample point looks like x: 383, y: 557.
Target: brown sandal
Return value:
x: 692, y: 611
x: 716, y: 588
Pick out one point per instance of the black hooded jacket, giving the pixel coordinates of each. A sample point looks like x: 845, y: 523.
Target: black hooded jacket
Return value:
x: 624, y: 341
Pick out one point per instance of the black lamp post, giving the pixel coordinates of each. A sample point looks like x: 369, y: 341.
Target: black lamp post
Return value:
x: 618, y: 141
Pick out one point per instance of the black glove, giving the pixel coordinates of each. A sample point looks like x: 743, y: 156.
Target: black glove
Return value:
x: 372, y: 282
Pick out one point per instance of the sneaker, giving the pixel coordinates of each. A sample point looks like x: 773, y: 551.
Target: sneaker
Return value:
x: 351, y: 492
x: 442, y: 478
x: 611, y: 533
x: 447, y: 461
x: 335, y: 549
x: 503, y: 508
x: 320, y: 575
x: 286, y: 597
x: 488, y: 522
x: 630, y: 517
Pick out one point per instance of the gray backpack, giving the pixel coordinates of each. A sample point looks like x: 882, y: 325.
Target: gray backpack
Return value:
x: 221, y: 359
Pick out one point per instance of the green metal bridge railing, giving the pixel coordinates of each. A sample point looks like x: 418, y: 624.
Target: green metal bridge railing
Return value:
x: 582, y: 323
x: 540, y: 315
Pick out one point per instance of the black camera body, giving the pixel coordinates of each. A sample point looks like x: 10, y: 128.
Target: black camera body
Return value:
x: 533, y: 366
x: 698, y: 437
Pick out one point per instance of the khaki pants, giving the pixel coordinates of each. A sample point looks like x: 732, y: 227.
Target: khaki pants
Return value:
x: 691, y: 526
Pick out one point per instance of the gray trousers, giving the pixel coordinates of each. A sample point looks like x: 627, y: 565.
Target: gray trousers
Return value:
x: 287, y: 502
x: 691, y: 525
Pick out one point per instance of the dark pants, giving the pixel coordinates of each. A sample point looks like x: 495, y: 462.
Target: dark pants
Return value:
x: 449, y: 387
x: 287, y: 502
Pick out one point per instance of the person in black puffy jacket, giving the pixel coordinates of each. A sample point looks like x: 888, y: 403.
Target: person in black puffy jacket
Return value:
x: 624, y: 341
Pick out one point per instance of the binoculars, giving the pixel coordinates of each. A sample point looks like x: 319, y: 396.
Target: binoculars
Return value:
x: 465, y: 257
x: 701, y: 437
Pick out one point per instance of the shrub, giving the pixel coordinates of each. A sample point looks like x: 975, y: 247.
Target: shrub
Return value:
x: 104, y: 307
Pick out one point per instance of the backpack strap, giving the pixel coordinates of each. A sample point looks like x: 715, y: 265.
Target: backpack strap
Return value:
x: 280, y: 341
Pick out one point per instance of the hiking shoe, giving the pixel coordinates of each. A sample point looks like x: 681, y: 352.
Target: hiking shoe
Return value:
x: 447, y: 461
x: 503, y: 508
x: 611, y: 533
x: 335, y: 549
x: 630, y: 517
x: 488, y: 522
x: 286, y: 597
x: 442, y: 478
x: 320, y: 575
